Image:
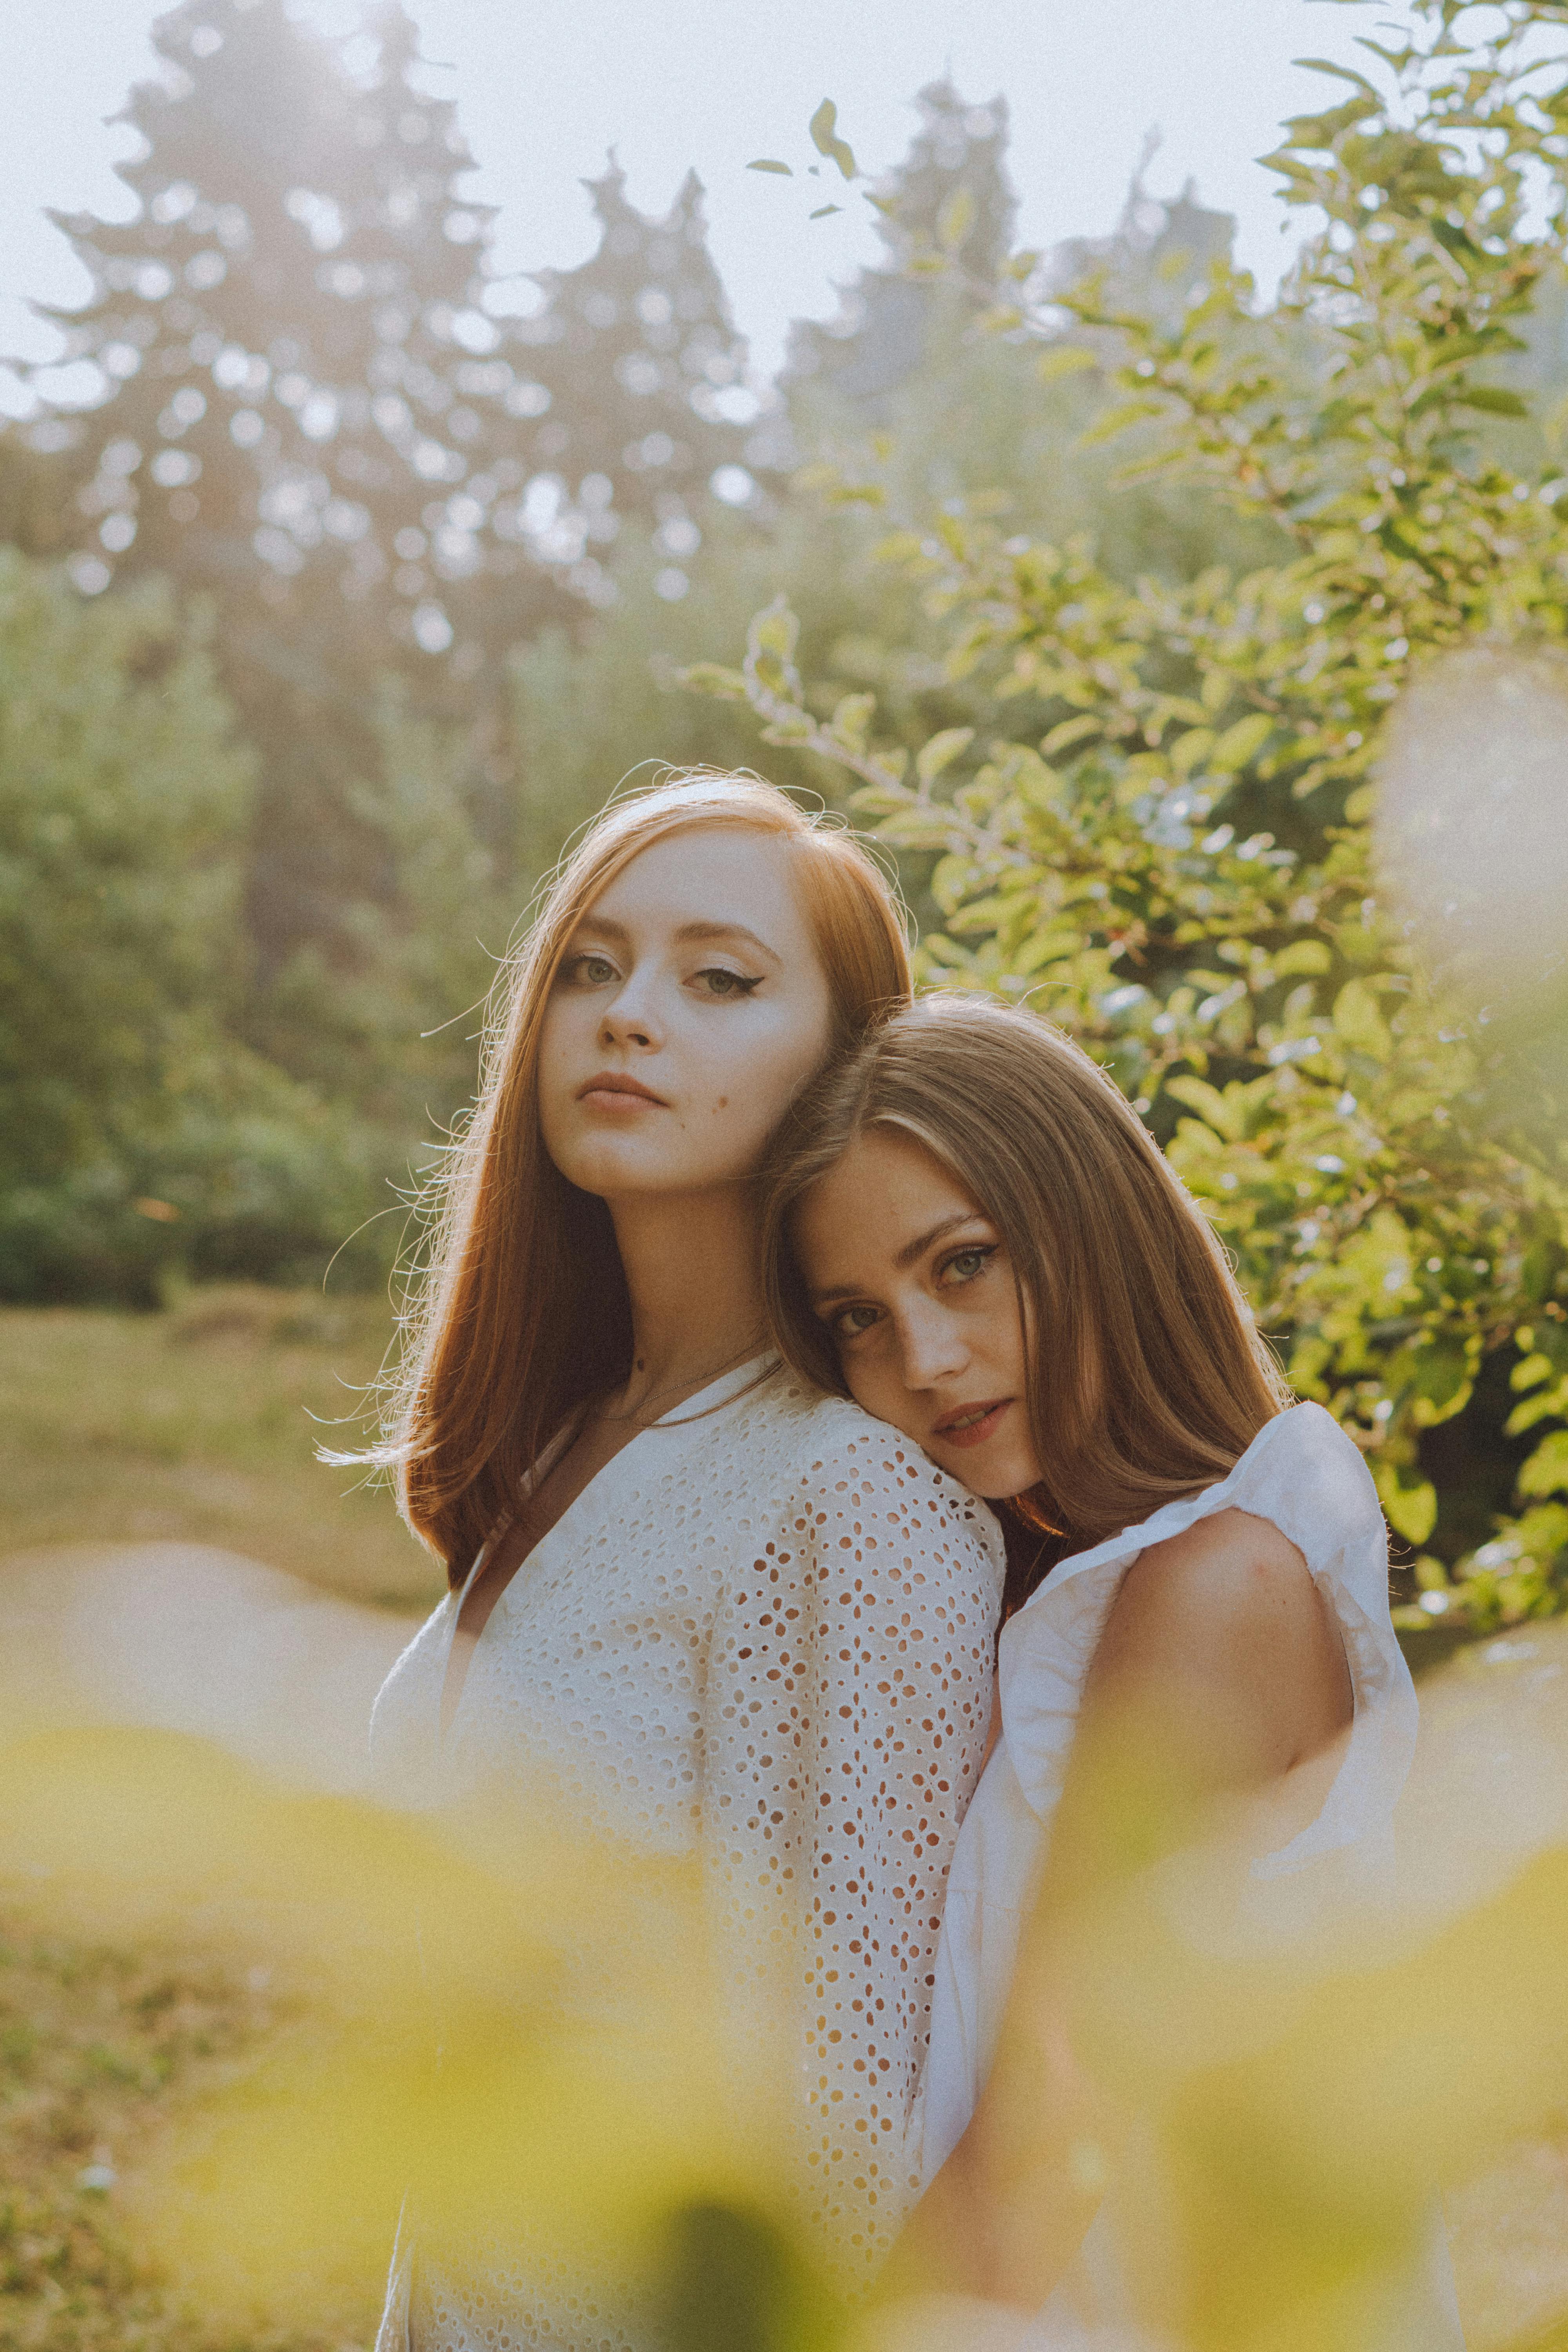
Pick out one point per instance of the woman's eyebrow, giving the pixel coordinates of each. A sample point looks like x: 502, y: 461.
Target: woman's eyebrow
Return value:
x: 922, y: 1242
x: 693, y: 931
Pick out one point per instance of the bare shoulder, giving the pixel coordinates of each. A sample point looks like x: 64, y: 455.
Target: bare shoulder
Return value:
x: 1228, y: 1606
x: 1224, y: 1569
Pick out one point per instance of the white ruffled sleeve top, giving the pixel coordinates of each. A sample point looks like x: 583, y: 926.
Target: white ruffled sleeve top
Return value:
x: 762, y: 1637
x: 1302, y: 1474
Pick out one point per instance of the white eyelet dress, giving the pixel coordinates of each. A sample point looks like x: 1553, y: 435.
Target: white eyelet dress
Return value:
x: 1304, y: 1474
x: 760, y: 1640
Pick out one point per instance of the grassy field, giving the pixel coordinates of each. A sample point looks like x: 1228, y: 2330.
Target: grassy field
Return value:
x: 200, y: 1426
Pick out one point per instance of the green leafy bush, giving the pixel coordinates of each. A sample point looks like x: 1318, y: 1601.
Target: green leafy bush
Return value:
x: 1160, y: 829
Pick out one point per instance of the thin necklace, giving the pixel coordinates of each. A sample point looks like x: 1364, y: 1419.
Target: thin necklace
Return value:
x: 635, y: 1421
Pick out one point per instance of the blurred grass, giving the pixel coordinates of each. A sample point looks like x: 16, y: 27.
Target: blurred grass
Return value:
x: 102, y: 2048
x: 193, y: 1426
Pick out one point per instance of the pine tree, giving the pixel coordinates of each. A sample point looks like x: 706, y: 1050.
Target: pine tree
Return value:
x: 945, y: 215
x: 306, y: 419
x: 1160, y: 248
x: 644, y: 376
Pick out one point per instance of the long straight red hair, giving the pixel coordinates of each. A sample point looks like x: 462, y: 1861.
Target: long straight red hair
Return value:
x: 522, y: 1310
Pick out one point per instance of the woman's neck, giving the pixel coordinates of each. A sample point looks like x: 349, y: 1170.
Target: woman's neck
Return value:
x: 690, y: 1265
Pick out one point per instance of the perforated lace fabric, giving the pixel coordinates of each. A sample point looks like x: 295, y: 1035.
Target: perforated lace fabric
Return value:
x: 760, y: 1639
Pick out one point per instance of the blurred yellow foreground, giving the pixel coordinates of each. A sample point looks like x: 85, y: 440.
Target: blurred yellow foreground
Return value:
x: 1297, y: 2101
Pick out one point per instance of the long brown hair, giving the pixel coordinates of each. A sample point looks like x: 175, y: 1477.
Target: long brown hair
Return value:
x: 1147, y: 1378
x: 521, y: 1311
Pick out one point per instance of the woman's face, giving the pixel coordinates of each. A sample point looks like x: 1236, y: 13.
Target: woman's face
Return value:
x: 912, y: 1281
x: 691, y: 1008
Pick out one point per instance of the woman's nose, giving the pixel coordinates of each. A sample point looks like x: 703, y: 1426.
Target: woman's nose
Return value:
x: 932, y: 1346
x: 629, y: 1018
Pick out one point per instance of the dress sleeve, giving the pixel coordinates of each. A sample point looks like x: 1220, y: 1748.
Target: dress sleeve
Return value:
x: 848, y: 1701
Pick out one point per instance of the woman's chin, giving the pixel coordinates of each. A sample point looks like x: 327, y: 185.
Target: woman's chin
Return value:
x: 994, y: 1472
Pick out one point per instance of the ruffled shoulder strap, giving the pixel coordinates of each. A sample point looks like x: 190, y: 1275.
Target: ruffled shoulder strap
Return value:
x: 1306, y: 1477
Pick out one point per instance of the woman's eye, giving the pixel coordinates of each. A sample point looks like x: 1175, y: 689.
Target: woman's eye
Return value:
x: 851, y: 1321
x: 718, y: 981
x: 588, y: 971
x: 964, y: 1265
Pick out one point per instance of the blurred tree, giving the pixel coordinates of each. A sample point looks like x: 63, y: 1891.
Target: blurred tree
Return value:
x: 645, y: 380
x: 945, y: 215
x: 304, y: 415
x: 927, y: 387
x: 137, y: 1139
x: 35, y: 493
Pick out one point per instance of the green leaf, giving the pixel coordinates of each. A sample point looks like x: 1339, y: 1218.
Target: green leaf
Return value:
x: 1239, y: 743
x: 767, y: 163
x: 1442, y: 1377
x: 852, y: 719
x: 1302, y: 955
x: 1362, y: 1024
x: 1065, y: 359
x: 1125, y: 414
x: 823, y: 128
x: 1343, y: 73
x: 1317, y: 132
x: 1070, y: 731
x: 1412, y: 1509
x: 774, y: 630
x: 713, y: 679
x: 823, y: 210
x: 1494, y: 400
x: 941, y: 752
x: 1189, y: 748
x: 1226, y: 1118
x: 770, y: 651
x: 913, y: 829
x: 1546, y: 1472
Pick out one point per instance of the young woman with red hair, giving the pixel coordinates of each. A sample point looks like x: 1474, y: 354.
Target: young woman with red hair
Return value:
x: 696, y: 1606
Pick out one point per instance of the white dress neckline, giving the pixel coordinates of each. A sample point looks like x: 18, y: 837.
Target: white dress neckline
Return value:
x: 718, y: 1393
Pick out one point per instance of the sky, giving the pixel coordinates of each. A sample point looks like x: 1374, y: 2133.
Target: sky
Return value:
x: 544, y: 88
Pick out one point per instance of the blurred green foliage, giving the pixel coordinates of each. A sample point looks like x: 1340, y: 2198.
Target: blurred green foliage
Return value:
x: 1157, y: 823
x: 141, y: 1140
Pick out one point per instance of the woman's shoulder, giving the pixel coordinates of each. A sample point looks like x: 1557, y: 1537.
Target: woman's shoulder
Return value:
x: 1232, y: 1578
x: 838, y: 1453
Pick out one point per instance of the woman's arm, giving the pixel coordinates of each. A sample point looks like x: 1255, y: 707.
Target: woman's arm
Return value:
x: 1219, y: 1678
x: 850, y: 1695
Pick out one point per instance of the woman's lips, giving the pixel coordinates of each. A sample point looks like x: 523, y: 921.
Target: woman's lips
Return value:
x: 608, y: 1092
x: 958, y: 1429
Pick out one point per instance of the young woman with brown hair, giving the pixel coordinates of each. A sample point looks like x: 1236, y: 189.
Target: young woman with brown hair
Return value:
x: 695, y: 1606
x: 970, y: 1232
